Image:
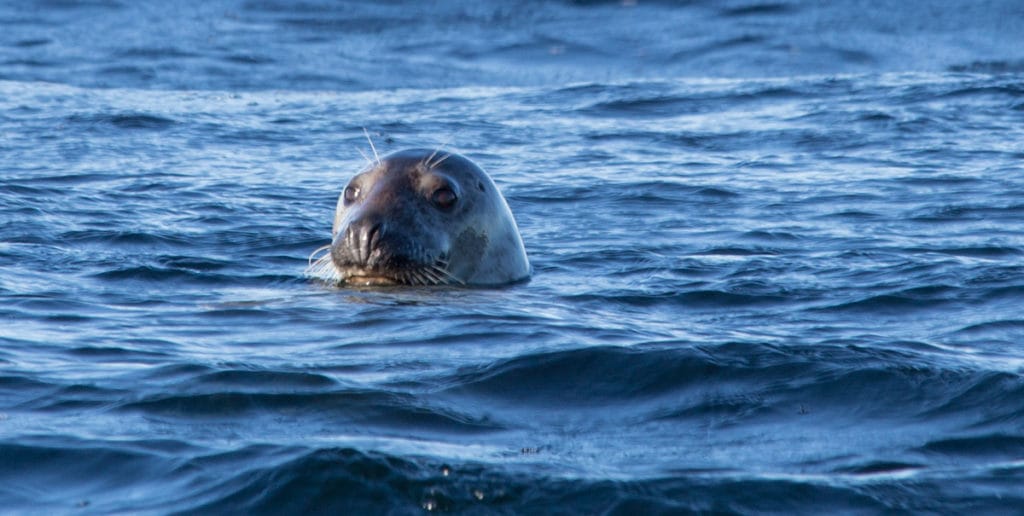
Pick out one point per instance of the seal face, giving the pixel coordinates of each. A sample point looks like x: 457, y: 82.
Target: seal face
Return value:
x: 422, y: 217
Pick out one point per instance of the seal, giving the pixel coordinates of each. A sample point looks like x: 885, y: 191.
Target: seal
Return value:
x: 422, y: 217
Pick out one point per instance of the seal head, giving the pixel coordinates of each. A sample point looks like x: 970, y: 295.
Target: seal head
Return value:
x: 423, y: 217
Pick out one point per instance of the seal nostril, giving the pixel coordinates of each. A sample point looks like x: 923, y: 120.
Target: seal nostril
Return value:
x: 353, y: 243
x: 366, y: 238
x: 373, y: 237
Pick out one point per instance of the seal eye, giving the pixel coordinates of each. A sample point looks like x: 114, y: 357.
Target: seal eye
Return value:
x: 350, y: 195
x: 444, y: 198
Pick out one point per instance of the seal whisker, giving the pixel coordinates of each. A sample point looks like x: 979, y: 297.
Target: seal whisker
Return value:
x: 440, y: 269
x: 367, y: 158
x: 328, y: 269
x: 316, y: 251
x: 421, y: 278
x: 417, y: 278
x: 447, y: 276
x: 435, y: 279
x: 445, y: 143
x: 439, y: 149
x: 372, y: 146
x: 428, y: 279
x: 403, y: 277
x: 430, y: 157
x: 443, y: 275
x: 313, y: 268
x: 323, y: 268
x: 439, y: 161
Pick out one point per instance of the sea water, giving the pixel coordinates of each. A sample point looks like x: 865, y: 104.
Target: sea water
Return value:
x: 777, y: 249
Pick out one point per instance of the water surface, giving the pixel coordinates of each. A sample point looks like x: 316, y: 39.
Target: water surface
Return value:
x: 778, y: 257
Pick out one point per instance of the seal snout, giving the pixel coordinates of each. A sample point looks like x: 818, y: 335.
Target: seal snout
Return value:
x: 361, y: 242
x: 366, y: 236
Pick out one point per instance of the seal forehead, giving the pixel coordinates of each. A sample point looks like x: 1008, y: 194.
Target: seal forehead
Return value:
x: 427, y: 160
x: 424, y: 172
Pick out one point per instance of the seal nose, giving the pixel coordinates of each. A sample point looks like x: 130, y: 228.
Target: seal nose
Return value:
x: 364, y: 236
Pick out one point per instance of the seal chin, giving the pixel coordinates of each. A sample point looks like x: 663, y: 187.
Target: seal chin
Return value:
x: 410, y: 275
x: 352, y: 274
x: 360, y: 280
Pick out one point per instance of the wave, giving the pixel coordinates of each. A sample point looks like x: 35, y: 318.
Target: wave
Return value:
x: 346, y: 480
x: 123, y: 120
x: 274, y: 480
x: 342, y: 409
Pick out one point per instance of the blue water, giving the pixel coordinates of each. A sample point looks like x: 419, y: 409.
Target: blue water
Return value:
x: 778, y: 256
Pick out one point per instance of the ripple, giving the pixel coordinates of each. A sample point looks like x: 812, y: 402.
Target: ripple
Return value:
x: 364, y: 482
x: 600, y: 375
x: 977, y: 447
x: 123, y: 120
x: 279, y: 380
x: 759, y: 9
x: 343, y: 409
